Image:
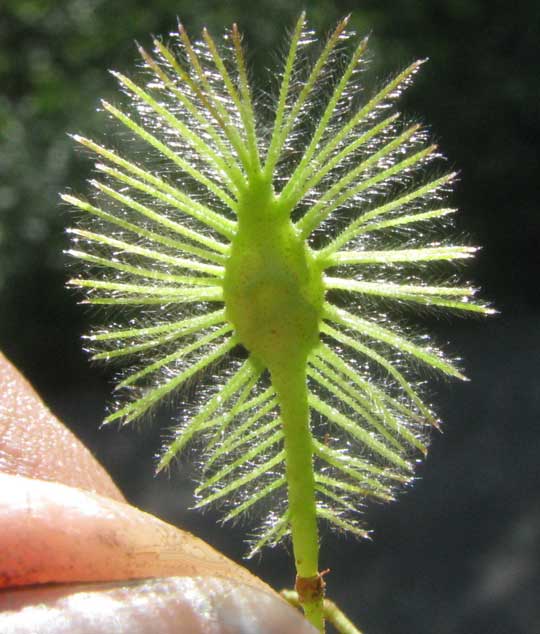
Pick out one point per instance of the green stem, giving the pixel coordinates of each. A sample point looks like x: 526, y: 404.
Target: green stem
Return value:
x: 290, y: 382
x: 331, y: 613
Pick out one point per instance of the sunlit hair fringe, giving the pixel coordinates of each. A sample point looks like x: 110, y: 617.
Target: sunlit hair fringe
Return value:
x: 366, y: 193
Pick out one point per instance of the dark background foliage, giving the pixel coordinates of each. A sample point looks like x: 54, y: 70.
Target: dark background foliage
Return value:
x: 459, y: 554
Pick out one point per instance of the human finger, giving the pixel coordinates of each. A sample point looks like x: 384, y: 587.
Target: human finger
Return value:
x: 35, y: 444
x: 53, y: 533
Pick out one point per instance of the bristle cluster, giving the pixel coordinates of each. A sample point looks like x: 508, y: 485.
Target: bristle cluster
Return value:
x: 156, y: 241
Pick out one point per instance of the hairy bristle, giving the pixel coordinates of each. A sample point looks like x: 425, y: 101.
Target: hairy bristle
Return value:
x: 364, y: 199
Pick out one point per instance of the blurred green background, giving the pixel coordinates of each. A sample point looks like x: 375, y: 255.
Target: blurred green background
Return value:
x: 460, y: 553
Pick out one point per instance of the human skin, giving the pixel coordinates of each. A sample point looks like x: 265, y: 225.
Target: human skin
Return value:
x: 75, y: 557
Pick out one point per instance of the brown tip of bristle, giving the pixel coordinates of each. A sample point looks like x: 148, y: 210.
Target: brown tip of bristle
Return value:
x: 147, y: 57
x: 342, y: 25
x: 183, y: 34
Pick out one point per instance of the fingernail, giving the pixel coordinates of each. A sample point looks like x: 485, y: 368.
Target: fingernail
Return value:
x: 175, y: 605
